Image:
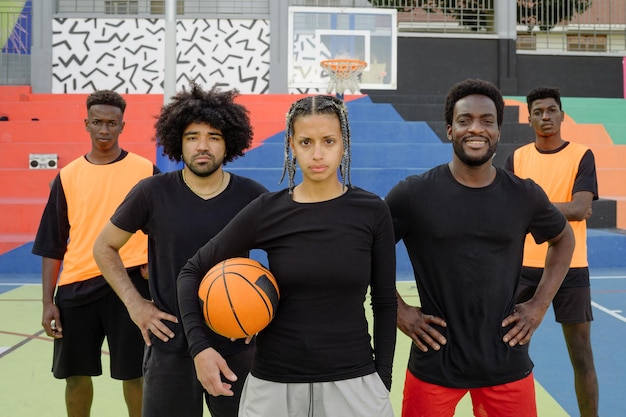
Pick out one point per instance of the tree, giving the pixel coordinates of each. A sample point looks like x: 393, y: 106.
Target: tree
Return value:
x: 477, y: 15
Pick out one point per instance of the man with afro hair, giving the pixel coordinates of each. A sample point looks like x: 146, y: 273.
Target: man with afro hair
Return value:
x: 180, y: 211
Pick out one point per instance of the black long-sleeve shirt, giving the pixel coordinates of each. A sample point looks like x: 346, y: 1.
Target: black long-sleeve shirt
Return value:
x: 324, y: 256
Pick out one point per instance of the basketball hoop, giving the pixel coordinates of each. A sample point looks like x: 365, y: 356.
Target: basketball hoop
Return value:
x: 344, y: 74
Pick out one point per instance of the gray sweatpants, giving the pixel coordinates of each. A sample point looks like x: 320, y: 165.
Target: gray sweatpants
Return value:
x: 365, y: 396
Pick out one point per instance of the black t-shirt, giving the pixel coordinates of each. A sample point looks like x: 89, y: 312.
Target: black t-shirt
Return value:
x: 324, y: 256
x: 177, y: 223
x: 466, y: 245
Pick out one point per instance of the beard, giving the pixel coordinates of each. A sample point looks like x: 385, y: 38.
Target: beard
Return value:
x: 204, y: 170
x: 471, y: 160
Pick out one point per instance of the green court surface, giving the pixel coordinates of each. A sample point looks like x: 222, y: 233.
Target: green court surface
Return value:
x: 27, y: 387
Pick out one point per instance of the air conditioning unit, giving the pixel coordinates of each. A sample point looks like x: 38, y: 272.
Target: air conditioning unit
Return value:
x: 43, y: 161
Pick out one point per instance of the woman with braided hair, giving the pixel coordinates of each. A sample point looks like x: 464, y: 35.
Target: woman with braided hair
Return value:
x: 327, y: 242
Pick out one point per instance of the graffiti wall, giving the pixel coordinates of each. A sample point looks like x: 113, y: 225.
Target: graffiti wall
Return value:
x: 127, y: 55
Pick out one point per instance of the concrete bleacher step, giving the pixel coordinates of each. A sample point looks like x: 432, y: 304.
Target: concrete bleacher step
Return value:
x: 10, y: 92
x: 386, y: 149
x: 378, y: 96
x: 16, y: 155
x: 22, y: 211
x: 425, y: 112
x: 376, y: 180
x: 74, y: 109
x: 366, y: 155
x: 610, y: 155
x: 400, y: 155
x: 18, y: 259
x: 392, y: 132
x: 25, y: 183
x: 67, y: 131
x: 11, y: 242
x: 435, y: 112
x: 604, y: 214
x: 362, y: 112
x: 611, y: 180
x: 59, y: 129
x: 513, y: 133
x: 519, y: 134
x: 503, y: 151
x: 606, y: 248
x: 24, y: 214
x: 70, y: 110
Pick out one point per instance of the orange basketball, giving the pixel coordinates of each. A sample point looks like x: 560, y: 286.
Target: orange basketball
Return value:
x: 239, y: 297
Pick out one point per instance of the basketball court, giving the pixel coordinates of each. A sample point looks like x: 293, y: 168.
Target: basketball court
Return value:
x: 27, y: 387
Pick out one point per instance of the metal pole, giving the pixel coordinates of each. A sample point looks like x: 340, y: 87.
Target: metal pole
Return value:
x: 169, y: 77
x: 169, y: 84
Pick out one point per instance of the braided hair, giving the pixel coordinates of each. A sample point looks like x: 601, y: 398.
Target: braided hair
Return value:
x: 322, y: 104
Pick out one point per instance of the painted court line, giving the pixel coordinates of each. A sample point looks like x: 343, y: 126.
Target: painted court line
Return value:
x: 610, y: 312
x: 613, y: 313
x: 18, y: 284
x: 608, y: 276
x: 27, y: 339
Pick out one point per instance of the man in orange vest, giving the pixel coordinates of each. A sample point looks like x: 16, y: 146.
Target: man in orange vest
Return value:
x: 567, y: 173
x: 85, y: 309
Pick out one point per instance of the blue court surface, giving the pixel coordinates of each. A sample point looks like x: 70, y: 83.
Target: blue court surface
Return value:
x: 27, y: 387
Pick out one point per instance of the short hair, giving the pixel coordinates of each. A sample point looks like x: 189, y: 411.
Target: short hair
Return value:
x: 214, y: 107
x: 473, y: 86
x: 106, y: 97
x: 540, y: 93
x: 321, y: 104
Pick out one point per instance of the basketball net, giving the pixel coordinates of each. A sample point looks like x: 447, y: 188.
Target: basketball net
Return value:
x: 343, y: 74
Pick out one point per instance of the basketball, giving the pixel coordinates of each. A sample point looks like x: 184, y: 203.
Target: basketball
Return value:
x: 239, y: 297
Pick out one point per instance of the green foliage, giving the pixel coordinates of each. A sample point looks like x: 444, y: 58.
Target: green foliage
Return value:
x: 478, y: 14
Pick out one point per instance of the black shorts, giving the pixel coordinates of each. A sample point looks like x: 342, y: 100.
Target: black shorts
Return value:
x: 171, y: 388
x: 570, y: 304
x: 79, y: 351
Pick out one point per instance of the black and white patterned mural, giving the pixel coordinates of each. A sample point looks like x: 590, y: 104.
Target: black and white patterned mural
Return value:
x: 127, y: 55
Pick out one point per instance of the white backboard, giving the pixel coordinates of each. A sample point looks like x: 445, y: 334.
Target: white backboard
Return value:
x: 320, y: 33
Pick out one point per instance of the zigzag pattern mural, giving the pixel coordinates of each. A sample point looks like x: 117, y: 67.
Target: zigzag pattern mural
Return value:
x: 127, y: 55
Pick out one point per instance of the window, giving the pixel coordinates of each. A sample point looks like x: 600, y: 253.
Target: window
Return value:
x: 586, y: 43
x: 526, y: 42
x: 158, y: 7
x: 121, y: 7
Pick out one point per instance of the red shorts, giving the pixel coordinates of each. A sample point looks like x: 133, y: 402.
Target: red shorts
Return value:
x: 514, y: 399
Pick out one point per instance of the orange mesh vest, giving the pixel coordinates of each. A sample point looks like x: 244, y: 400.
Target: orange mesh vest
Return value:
x: 555, y: 173
x: 93, y: 192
